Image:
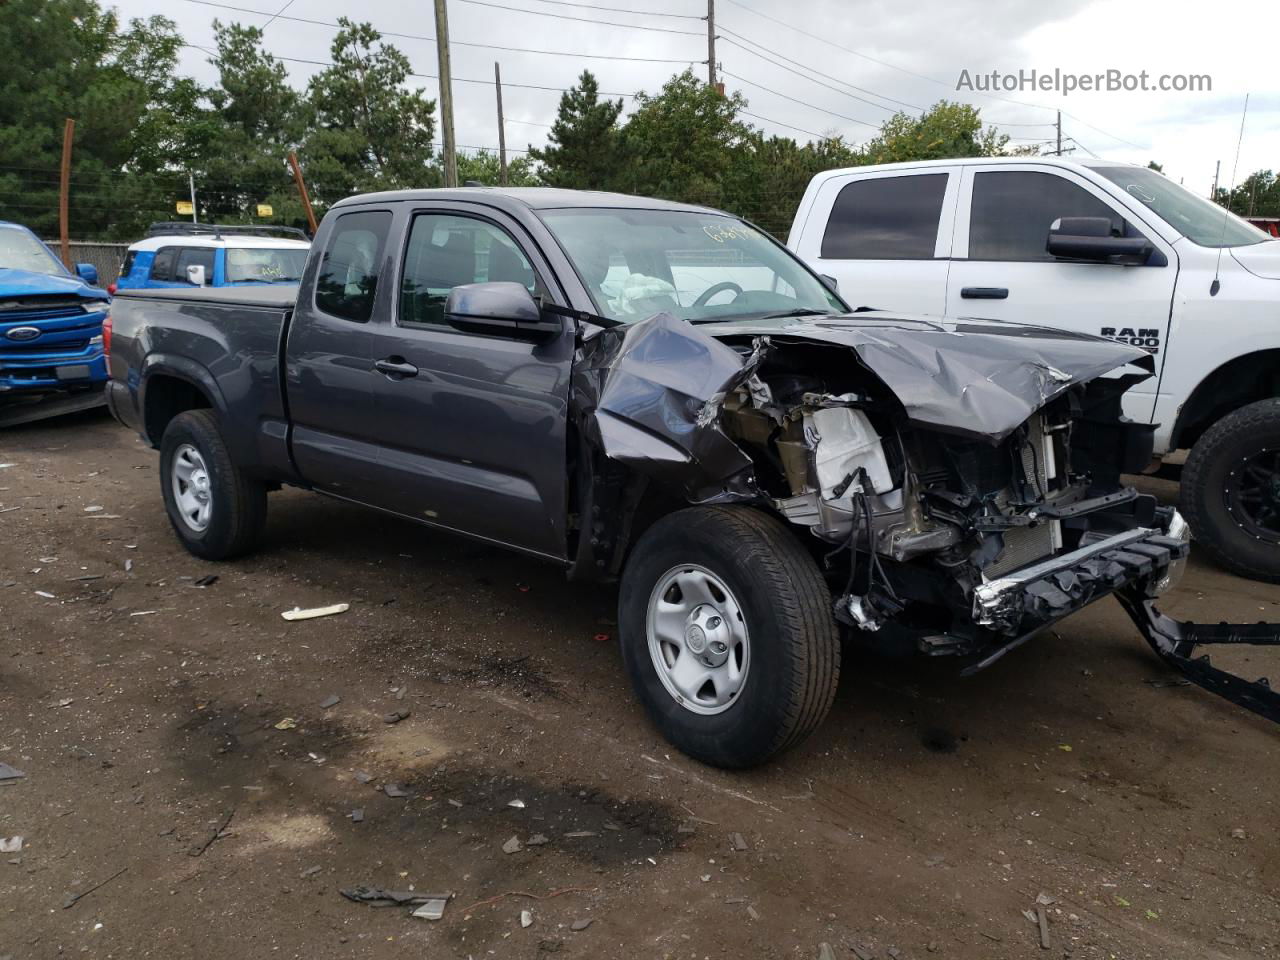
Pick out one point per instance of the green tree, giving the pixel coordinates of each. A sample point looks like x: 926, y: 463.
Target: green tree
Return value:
x: 583, y: 147
x: 483, y: 167
x: 684, y: 142
x: 370, y: 132
x: 769, y: 176
x: 70, y: 58
x: 945, y: 131
x: 239, y: 144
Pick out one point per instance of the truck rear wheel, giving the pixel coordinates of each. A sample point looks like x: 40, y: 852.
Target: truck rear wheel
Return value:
x: 727, y: 633
x: 1231, y: 491
x: 216, y: 509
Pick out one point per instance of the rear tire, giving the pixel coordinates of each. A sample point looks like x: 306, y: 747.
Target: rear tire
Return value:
x: 785, y: 652
x: 218, y: 511
x: 1230, y: 492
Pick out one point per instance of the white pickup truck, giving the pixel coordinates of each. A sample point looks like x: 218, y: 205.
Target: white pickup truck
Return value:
x: 1105, y: 248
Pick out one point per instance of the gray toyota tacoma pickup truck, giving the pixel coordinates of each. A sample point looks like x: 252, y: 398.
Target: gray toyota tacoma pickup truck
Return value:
x: 662, y: 395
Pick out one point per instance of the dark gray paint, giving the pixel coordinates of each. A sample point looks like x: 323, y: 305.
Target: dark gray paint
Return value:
x: 477, y: 440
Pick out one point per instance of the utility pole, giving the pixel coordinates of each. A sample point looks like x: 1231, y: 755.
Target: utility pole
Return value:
x: 64, y: 192
x: 191, y: 182
x: 711, y: 43
x: 502, y: 127
x: 302, y: 191
x: 1217, y: 168
x: 1059, y: 151
x: 446, y: 95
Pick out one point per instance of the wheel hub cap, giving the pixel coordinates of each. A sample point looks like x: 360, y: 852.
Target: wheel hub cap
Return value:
x: 192, y: 487
x: 697, y: 638
x: 1252, y: 495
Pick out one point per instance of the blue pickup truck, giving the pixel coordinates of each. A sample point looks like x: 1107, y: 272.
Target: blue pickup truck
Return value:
x: 51, y: 351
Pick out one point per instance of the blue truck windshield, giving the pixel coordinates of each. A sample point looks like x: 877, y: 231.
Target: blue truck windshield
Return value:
x: 19, y: 250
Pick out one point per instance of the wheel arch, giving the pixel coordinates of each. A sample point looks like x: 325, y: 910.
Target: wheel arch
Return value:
x: 173, y: 385
x: 1235, y: 384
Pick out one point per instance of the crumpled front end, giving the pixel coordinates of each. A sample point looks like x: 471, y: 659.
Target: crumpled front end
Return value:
x: 959, y: 529
x: 922, y: 510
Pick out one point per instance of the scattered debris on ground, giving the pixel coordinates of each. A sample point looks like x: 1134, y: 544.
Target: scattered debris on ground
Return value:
x: 297, y: 613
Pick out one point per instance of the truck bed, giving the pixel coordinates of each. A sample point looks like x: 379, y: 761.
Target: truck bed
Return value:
x: 227, y: 342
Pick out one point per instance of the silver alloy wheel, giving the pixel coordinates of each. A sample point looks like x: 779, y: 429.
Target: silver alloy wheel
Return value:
x: 191, y: 487
x: 698, y: 639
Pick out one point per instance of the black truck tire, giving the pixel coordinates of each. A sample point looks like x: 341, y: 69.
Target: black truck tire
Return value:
x: 756, y: 579
x: 236, y: 502
x: 1230, y: 491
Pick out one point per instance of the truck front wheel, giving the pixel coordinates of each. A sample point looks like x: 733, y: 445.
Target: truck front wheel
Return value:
x: 216, y: 509
x: 1231, y: 491
x: 727, y: 633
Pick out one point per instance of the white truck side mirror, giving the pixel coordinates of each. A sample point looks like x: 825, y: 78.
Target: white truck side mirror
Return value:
x: 195, y: 274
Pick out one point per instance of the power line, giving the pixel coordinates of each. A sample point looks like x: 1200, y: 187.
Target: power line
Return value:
x: 912, y: 73
x: 565, y: 16
x: 277, y: 14
x: 647, y: 13
x: 797, y: 63
x: 781, y: 66
x: 865, y: 123
x: 423, y: 76
x: 779, y: 123
x: 430, y: 39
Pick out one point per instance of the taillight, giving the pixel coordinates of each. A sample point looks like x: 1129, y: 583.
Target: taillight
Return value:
x: 106, y: 337
x: 111, y: 289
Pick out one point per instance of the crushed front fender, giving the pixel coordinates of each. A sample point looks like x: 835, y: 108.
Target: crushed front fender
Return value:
x: 648, y: 395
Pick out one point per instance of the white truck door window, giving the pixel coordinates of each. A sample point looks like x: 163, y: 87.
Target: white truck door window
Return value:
x: 1002, y: 270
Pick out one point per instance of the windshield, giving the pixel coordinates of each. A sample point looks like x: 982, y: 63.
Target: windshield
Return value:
x: 1199, y: 220
x: 259, y: 265
x: 697, y: 266
x: 19, y: 250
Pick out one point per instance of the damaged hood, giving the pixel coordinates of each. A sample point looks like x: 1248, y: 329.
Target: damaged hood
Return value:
x: 980, y: 378
x: 649, y: 394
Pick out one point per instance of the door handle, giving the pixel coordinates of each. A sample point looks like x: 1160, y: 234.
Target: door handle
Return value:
x: 397, y: 368
x: 985, y: 293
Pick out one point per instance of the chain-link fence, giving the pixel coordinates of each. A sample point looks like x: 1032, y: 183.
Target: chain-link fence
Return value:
x: 107, y: 257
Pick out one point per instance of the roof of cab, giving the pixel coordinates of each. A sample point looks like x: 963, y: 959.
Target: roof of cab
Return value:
x: 533, y: 198
x: 228, y: 239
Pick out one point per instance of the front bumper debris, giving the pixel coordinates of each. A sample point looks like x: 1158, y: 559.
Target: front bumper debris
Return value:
x: 1049, y: 590
x: 1176, y: 641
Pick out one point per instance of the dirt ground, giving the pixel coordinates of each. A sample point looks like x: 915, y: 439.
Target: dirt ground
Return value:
x: 151, y: 715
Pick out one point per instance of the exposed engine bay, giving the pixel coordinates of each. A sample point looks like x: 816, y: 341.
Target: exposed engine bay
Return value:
x: 960, y: 483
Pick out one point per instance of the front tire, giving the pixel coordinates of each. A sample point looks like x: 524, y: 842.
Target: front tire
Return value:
x: 1230, y: 492
x: 216, y: 509
x: 727, y: 634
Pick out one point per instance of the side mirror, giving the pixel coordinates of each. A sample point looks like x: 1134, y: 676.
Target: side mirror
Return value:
x: 499, y: 309
x: 1090, y: 239
x: 195, y: 274
x: 832, y: 284
x: 88, y: 273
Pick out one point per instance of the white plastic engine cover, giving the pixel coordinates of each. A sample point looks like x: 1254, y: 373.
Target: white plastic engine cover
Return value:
x: 846, y: 441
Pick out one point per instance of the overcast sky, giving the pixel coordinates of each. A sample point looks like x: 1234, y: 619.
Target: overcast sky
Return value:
x: 909, y: 52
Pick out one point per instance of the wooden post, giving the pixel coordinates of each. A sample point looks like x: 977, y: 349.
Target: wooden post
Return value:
x: 446, y: 95
x: 711, y: 43
x: 64, y: 194
x: 502, y: 128
x: 302, y: 191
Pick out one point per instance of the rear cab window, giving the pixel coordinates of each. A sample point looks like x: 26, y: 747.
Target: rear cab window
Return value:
x: 886, y: 218
x: 347, y: 283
